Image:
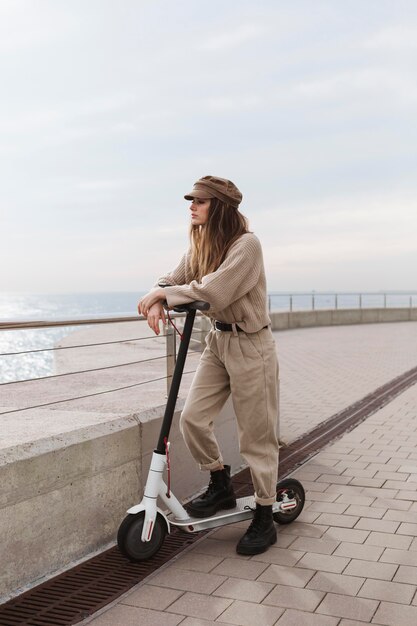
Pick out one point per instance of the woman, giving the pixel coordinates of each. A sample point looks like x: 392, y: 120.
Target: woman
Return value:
x: 224, y: 266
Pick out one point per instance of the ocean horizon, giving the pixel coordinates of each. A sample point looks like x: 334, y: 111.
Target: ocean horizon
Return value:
x: 50, y: 307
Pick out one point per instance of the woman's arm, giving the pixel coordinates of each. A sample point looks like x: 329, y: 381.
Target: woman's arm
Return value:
x: 235, y: 277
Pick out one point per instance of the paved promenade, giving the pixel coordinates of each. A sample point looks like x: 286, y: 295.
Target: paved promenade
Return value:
x: 351, y: 557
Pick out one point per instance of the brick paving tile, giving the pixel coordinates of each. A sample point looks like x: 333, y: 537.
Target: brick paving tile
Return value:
x: 328, y: 478
x: 380, y: 525
x: 303, y: 530
x: 346, y: 534
x: 407, y: 529
x: 352, y: 465
x: 360, y: 500
x: 320, y: 546
x: 279, y: 556
x: 391, y: 475
x: 408, y: 495
x: 196, y: 605
x: 409, y: 469
x: 347, y: 606
x: 389, y: 591
x: 403, y: 485
x: 328, y: 507
x: 314, y: 486
x: 359, y: 551
x: 406, y: 574
x: 217, y: 548
x: 370, y: 569
x: 398, y: 505
x: 323, y: 562
x: 357, y: 472
x: 228, y: 533
x: 376, y: 493
x: 294, y: 598
x: 132, y: 616
x: 292, y: 617
x: 292, y: 576
x: 367, y: 482
x: 366, y: 511
x: 402, y: 542
x: 183, y: 580
x: 249, y: 570
x: 336, y: 583
x: 344, y: 521
x: 255, y: 591
x: 325, y: 497
x: 248, y: 614
x: 401, y: 516
x: 197, y: 562
x: 150, y: 597
x: 393, y: 614
x: 401, y: 557
x: 345, y: 622
x: 308, y: 516
x: 194, y: 621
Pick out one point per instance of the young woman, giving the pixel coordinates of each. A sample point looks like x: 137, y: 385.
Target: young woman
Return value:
x: 224, y: 266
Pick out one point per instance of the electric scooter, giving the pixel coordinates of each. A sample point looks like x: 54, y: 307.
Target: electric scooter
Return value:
x: 143, y: 530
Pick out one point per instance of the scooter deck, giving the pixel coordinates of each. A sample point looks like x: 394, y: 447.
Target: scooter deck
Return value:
x: 243, y: 510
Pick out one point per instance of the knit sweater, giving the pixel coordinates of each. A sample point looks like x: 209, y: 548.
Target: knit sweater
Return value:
x: 236, y: 291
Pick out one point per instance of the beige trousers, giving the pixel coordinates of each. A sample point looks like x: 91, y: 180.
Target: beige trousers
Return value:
x: 246, y: 366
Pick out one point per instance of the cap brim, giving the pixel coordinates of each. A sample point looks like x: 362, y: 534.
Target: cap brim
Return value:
x: 199, y: 193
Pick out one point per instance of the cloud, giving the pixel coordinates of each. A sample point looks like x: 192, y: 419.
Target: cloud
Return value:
x: 234, y: 37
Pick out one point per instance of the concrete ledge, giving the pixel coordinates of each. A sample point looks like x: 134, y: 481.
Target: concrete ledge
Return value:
x: 307, y: 319
x: 63, y: 498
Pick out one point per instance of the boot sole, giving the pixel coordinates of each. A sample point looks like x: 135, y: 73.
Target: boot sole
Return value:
x: 221, y: 506
x: 250, y: 550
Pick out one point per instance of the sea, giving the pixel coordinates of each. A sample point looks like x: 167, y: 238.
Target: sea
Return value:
x: 35, y: 362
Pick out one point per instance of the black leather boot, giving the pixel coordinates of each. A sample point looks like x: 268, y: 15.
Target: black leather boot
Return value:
x: 261, y: 533
x: 219, y: 495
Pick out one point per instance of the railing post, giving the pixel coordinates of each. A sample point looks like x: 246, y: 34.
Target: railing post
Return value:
x: 312, y: 302
x: 360, y: 300
x: 171, y: 352
x: 290, y: 304
x: 411, y: 302
x: 335, y: 300
x: 269, y: 304
x: 385, y: 300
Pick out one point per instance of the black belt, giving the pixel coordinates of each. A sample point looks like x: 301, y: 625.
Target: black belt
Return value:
x: 229, y: 327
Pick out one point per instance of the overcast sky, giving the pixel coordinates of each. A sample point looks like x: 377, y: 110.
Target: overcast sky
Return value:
x: 111, y: 109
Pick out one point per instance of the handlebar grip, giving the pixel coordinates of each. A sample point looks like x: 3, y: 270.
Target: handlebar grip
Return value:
x: 192, y: 306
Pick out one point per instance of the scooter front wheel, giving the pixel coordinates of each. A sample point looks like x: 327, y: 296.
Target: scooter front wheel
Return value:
x: 130, y: 533
x: 291, y: 496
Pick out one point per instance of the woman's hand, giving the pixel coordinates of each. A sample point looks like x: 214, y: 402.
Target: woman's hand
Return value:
x: 150, y: 306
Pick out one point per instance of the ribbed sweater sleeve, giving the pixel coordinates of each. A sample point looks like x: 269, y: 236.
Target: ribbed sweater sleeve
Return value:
x: 235, y: 277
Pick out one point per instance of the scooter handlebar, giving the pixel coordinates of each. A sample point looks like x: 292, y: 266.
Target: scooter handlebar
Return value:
x: 192, y: 306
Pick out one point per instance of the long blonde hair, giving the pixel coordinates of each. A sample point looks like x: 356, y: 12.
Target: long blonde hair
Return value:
x: 211, y: 242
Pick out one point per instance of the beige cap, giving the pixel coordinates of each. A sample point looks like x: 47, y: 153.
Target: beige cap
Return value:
x: 215, y: 187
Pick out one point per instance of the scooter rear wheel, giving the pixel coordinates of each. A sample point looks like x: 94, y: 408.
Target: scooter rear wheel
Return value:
x: 129, y: 537
x: 289, y: 489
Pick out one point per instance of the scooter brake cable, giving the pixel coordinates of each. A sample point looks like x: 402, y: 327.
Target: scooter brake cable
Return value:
x: 166, y: 442
x: 171, y: 321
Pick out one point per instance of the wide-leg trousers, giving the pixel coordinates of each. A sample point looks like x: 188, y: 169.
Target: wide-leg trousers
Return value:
x: 244, y: 365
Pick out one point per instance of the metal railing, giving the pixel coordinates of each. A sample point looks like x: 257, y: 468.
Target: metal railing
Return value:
x: 314, y: 300
x: 169, y: 335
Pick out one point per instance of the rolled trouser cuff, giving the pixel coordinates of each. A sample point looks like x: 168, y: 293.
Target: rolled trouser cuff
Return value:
x: 265, y: 501
x: 215, y: 465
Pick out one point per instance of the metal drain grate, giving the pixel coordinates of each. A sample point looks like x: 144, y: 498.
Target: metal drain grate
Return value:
x: 83, y: 590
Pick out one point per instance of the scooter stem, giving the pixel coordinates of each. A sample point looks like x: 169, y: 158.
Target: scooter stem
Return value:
x: 176, y: 381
